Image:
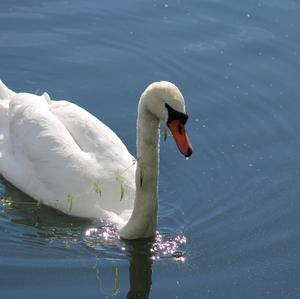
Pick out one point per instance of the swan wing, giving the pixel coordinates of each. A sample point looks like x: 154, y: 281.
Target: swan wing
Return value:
x: 60, y: 154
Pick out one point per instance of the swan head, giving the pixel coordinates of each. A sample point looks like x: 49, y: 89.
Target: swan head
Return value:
x: 165, y: 101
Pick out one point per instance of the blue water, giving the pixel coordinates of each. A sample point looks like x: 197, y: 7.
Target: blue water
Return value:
x: 236, y: 200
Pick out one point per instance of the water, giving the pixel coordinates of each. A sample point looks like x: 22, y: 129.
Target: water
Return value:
x: 231, y: 210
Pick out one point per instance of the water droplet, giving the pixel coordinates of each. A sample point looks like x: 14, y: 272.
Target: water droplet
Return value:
x: 186, y: 158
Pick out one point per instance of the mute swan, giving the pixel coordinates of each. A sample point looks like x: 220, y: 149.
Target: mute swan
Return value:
x: 66, y: 158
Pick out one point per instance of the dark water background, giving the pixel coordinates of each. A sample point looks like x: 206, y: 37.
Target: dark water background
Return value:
x: 237, y: 200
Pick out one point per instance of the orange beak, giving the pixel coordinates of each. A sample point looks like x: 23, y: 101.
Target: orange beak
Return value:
x: 181, y: 138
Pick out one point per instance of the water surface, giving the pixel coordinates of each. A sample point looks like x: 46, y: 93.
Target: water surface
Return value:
x: 235, y: 201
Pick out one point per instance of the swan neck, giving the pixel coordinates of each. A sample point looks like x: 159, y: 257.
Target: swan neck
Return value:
x: 143, y: 221
x: 147, y: 144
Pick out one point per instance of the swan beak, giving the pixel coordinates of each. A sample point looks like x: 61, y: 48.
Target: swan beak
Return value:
x: 181, y: 138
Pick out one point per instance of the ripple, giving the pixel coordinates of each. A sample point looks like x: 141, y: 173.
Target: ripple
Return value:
x: 162, y: 246
x: 172, y: 247
x: 250, y: 34
x: 30, y: 39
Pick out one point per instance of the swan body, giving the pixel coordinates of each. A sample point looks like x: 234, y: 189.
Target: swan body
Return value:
x: 63, y: 156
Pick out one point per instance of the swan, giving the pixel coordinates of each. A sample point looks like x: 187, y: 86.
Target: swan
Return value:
x: 64, y: 157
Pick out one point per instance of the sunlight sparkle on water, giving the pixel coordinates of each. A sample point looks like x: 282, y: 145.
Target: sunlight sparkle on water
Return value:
x: 105, y: 233
x: 168, y: 248
x: 162, y: 247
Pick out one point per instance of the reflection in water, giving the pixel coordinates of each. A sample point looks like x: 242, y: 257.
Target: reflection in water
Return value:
x: 140, y: 269
x: 141, y: 254
x: 47, y: 226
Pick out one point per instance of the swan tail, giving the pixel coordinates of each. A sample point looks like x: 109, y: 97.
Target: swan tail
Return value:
x: 47, y: 98
x: 5, y: 95
x: 5, y: 92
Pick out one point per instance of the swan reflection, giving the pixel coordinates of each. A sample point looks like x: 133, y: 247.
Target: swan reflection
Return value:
x: 57, y: 230
x: 142, y: 254
x: 140, y: 268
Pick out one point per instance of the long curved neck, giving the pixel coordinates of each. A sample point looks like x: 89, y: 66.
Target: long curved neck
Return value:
x: 143, y: 221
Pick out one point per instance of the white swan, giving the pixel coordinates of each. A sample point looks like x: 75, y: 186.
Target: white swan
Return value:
x: 61, y: 155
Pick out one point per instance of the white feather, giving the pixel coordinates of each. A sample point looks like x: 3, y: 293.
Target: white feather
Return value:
x: 63, y: 156
x: 60, y: 154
